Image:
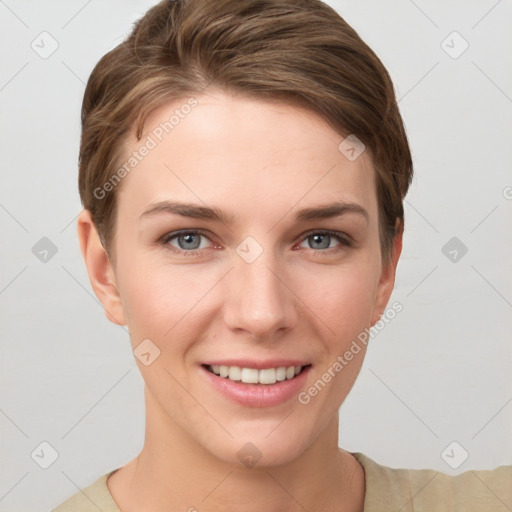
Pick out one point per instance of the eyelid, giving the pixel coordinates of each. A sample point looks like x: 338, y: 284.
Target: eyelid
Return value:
x: 344, y: 239
x: 174, y: 234
x: 337, y: 234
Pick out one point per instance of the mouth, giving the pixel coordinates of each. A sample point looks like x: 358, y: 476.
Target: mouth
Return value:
x: 264, y: 376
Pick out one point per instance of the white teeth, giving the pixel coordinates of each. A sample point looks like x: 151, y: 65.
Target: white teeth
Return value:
x: 235, y: 373
x: 267, y: 376
x: 281, y: 373
x: 249, y: 375
x: 255, y: 376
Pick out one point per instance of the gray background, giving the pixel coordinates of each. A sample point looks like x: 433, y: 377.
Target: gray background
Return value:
x: 438, y: 373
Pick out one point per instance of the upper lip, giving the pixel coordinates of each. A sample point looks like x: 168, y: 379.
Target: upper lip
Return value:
x: 259, y: 365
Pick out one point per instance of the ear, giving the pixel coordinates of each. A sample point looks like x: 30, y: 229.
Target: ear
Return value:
x: 387, y: 277
x: 99, y: 268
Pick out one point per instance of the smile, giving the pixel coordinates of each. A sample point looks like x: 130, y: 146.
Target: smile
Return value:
x: 255, y: 376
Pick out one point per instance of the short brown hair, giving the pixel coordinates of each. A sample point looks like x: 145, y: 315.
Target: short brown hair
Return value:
x: 298, y: 51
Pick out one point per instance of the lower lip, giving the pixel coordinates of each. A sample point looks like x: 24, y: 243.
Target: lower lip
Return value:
x: 258, y: 395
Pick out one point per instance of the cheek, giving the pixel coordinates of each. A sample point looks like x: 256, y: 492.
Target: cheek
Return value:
x: 343, y: 302
x: 145, y: 298
x: 341, y: 298
x: 159, y: 299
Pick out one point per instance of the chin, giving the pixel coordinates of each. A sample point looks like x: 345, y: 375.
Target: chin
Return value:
x: 259, y: 451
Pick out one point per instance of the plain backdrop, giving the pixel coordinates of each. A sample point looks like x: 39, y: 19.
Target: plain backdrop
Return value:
x: 439, y: 373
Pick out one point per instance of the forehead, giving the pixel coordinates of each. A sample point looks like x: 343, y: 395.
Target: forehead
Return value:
x: 220, y: 148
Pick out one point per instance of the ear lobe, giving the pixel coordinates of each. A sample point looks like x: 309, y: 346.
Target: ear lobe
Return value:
x: 387, y: 277
x: 99, y: 268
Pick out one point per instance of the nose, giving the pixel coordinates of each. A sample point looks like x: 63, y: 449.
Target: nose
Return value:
x: 258, y: 300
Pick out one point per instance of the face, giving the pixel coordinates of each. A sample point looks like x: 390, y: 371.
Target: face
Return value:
x: 246, y: 239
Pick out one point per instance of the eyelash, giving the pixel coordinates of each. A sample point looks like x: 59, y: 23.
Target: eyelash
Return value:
x: 344, y: 240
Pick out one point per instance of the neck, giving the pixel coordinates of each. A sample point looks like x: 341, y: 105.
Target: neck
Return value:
x: 173, y: 472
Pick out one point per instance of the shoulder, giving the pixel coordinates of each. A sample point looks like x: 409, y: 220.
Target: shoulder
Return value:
x: 422, y: 490
x: 91, y: 499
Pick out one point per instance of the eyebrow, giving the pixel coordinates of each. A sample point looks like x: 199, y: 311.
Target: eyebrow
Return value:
x: 196, y: 211
x: 331, y: 210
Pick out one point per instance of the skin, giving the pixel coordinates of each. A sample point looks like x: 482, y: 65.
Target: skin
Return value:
x: 260, y: 162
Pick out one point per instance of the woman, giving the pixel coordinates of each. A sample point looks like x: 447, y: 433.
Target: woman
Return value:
x: 242, y: 169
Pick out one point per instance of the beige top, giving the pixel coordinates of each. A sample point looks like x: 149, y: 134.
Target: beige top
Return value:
x: 387, y: 490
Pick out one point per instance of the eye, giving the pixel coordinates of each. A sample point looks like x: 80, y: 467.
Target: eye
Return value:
x: 185, y: 242
x: 191, y: 242
x: 322, y: 240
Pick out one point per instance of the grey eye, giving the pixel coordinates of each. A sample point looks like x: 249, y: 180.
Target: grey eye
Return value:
x: 189, y: 241
x: 320, y: 241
